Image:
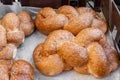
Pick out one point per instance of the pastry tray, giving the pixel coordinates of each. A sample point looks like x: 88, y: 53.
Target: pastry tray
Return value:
x: 26, y: 49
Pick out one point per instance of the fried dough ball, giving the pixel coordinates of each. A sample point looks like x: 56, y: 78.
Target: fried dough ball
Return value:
x: 26, y: 23
x: 67, y: 66
x: 21, y: 70
x: 112, y: 56
x: 83, y: 10
x: 47, y: 22
x: 73, y: 54
x: 54, y: 39
x: 68, y: 11
x: 82, y: 69
x: 4, y: 72
x: 100, y: 24
x: 11, y: 22
x: 3, y: 40
x: 7, y: 52
x: 51, y: 65
x: 77, y: 23
x: 98, y: 64
x: 88, y: 35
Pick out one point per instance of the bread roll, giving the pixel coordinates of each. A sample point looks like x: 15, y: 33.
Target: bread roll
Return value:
x: 73, y: 54
x: 51, y: 65
x: 68, y: 11
x: 82, y: 69
x: 98, y: 64
x: 54, y: 39
x: 21, y: 70
x: 26, y: 23
x: 112, y: 56
x: 11, y: 22
x: 88, y: 35
x: 7, y: 52
x: 100, y: 24
x: 3, y: 40
x: 77, y: 23
x: 83, y: 10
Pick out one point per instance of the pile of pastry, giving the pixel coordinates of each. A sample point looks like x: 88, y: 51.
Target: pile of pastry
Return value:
x: 13, y: 29
x: 76, y: 40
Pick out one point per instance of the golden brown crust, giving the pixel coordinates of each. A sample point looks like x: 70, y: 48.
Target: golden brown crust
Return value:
x: 100, y: 24
x: 82, y: 69
x: 22, y: 68
x: 15, y: 37
x: 51, y: 65
x: 112, y: 56
x: 10, y: 21
x: 68, y: 11
x: 88, y: 35
x: 24, y: 16
x: 77, y: 23
x: 98, y: 64
x: 26, y: 23
x: 27, y: 28
x: 50, y: 23
x: 7, y: 63
x: 7, y: 52
x: 3, y: 40
x: 73, y: 54
x: 4, y: 72
x: 82, y: 10
x: 54, y: 39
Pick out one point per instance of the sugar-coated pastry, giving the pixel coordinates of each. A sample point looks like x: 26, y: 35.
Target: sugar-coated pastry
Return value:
x: 73, y: 54
x: 7, y: 52
x: 11, y: 22
x: 49, y: 65
x: 21, y: 70
x: 54, y: 39
x: 82, y: 69
x: 100, y: 24
x: 68, y: 11
x: 112, y: 56
x: 3, y: 39
x: 88, y: 35
x: 26, y: 22
x: 77, y: 23
x: 47, y: 20
x: 98, y: 65
x: 83, y: 10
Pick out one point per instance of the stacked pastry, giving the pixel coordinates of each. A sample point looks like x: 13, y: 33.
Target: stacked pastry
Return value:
x: 81, y: 46
x: 11, y: 36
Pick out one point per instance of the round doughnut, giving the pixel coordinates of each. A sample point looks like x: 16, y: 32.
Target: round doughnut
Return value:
x: 68, y: 11
x: 100, y: 24
x: 88, y: 35
x: 54, y: 39
x: 98, y: 64
x: 82, y: 69
x: 21, y: 70
x: 77, y: 23
x: 83, y: 10
x: 112, y: 56
x: 26, y: 23
x: 3, y: 40
x: 73, y: 54
x: 51, y: 65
